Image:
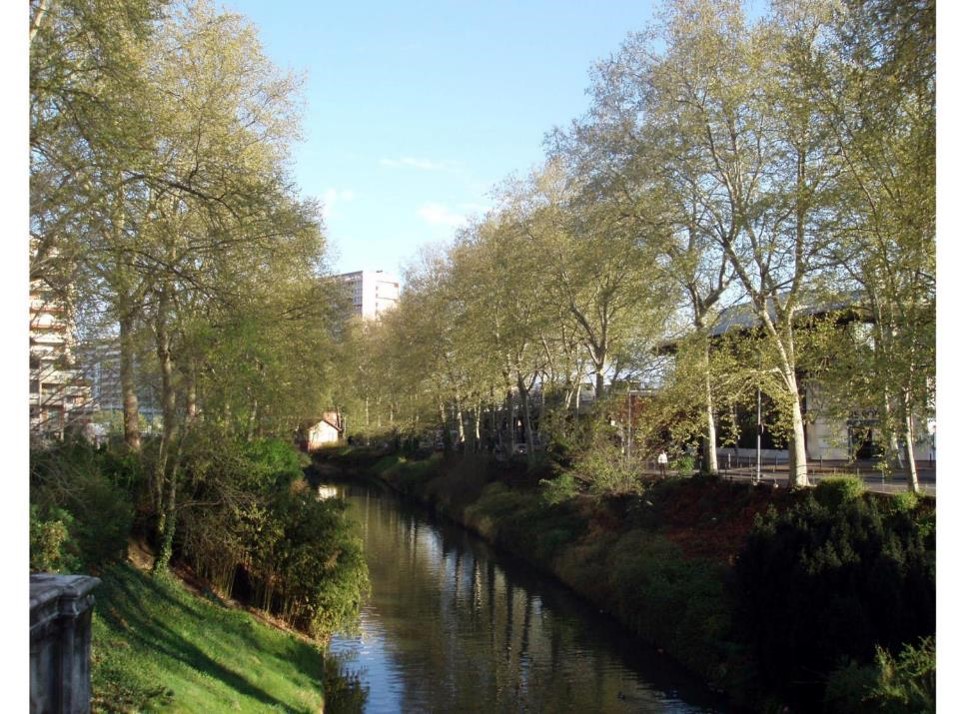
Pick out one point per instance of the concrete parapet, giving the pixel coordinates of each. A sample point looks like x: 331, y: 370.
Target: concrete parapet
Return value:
x: 61, y: 607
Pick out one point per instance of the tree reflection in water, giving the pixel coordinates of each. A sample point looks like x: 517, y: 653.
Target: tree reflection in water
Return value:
x: 452, y: 626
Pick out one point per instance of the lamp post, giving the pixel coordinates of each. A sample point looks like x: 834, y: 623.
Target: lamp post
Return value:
x: 759, y: 427
x: 760, y: 371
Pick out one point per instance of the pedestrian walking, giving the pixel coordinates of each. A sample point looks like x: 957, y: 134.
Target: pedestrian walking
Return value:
x: 662, y: 463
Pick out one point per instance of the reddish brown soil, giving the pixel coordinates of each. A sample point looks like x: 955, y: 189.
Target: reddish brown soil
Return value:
x: 711, y: 518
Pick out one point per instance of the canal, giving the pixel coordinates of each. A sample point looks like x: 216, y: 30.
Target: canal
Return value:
x: 453, y: 626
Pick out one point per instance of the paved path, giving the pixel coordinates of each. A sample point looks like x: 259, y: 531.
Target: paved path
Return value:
x: 873, y: 479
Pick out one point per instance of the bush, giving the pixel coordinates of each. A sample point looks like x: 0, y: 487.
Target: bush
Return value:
x: 905, y: 502
x: 558, y: 490
x: 818, y: 585
x: 262, y: 535
x: 603, y: 467
x: 685, y: 465
x: 832, y: 491
x: 677, y: 603
x: 81, y: 511
x: 276, y: 460
x: 903, y: 684
x: 49, y: 542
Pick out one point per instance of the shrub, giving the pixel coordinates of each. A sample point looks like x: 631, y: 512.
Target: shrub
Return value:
x: 833, y: 491
x: 678, y: 603
x: 81, y: 513
x: 603, y: 467
x: 905, y: 683
x: 49, y: 541
x: 685, y: 465
x: 818, y: 584
x: 276, y: 460
x: 558, y: 490
x: 904, y: 502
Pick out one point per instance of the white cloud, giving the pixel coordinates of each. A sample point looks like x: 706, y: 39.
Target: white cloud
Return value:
x: 413, y: 162
x: 437, y: 214
x: 332, y: 196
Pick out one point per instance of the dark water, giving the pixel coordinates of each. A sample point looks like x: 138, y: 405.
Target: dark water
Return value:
x: 452, y: 626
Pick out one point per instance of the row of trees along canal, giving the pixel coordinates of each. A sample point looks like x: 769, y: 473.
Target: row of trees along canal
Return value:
x: 163, y: 215
x: 784, y: 162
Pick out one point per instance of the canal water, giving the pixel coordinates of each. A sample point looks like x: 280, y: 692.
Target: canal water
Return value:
x: 453, y: 626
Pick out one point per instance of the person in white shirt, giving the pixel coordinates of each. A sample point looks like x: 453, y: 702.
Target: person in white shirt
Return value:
x: 662, y: 463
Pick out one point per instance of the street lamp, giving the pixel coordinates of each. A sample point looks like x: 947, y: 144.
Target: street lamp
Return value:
x: 759, y: 427
x: 760, y: 371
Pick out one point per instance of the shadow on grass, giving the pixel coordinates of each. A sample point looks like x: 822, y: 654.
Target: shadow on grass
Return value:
x: 126, y: 612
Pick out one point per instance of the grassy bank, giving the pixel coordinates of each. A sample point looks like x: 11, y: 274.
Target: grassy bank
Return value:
x: 158, y: 646
x: 702, y: 567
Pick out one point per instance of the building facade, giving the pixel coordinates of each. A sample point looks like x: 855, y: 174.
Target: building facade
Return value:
x: 59, y: 394
x: 827, y: 436
x: 372, y: 292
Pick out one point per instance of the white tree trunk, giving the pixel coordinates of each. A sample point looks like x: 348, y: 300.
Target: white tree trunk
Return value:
x: 913, y: 480
x: 711, y: 452
x: 797, y: 443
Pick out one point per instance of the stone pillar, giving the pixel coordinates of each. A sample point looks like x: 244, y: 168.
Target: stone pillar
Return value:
x: 61, y: 607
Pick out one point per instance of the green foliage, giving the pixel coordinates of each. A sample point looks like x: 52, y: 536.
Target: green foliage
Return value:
x: 905, y: 502
x: 276, y: 460
x: 678, y: 603
x: 905, y: 683
x: 604, y: 468
x: 560, y: 489
x: 81, y: 512
x: 49, y: 538
x: 685, y: 465
x: 817, y: 584
x: 262, y: 534
x: 834, y: 491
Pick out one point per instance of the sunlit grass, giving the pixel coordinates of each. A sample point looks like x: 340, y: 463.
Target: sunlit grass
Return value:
x: 156, y: 646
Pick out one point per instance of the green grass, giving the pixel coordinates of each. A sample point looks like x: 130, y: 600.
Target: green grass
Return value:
x: 156, y: 647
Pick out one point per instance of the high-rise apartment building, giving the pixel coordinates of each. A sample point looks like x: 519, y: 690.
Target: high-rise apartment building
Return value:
x: 373, y: 292
x: 59, y: 394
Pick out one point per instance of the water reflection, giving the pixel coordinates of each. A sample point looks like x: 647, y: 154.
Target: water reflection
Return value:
x: 453, y: 627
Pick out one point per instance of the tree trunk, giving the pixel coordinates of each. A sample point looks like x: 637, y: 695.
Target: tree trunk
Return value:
x: 445, y: 432
x: 461, y: 432
x: 167, y: 504
x: 252, y: 420
x: 892, y: 457
x: 711, y: 451
x: 797, y: 442
x: 477, y: 437
x: 191, y: 377
x: 913, y: 480
x: 169, y: 523
x: 527, y: 421
x: 512, y: 420
x: 712, y: 462
x: 131, y: 411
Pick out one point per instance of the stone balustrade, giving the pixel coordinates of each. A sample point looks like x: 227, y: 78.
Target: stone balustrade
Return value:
x: 61, y: 607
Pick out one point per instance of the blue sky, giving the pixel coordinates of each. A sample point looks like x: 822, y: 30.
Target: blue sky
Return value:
x: 415, y: 110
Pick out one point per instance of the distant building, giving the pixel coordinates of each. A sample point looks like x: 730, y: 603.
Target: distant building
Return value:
x: 826, y: 437
x: 59, y: 395
x: 373, y: 292
x: 316, y: 433
x: 100, y: 363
